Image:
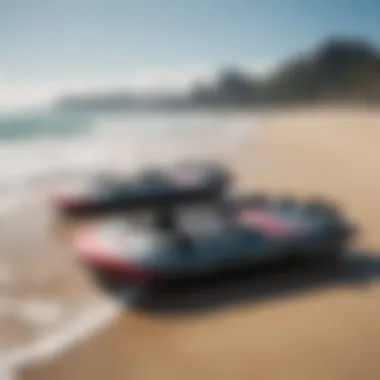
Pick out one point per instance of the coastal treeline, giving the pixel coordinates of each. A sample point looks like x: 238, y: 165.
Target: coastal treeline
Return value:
x: 338, y: 69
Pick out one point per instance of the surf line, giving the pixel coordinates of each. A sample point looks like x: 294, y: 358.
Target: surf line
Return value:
x: 92, y: 320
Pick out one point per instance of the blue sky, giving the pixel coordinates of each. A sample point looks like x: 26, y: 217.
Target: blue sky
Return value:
x: 49, y: 45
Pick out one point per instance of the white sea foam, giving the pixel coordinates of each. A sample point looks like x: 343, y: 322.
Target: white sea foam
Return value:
x: 50, y: 346
x: 40, y: 312
x: 122, y: 143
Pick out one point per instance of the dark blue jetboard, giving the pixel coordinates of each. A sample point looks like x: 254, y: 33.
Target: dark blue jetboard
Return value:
x: 184, y: 184
x: 253, y: 232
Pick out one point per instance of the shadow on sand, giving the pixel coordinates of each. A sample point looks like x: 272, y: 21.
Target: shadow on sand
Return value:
x: 357, y: 269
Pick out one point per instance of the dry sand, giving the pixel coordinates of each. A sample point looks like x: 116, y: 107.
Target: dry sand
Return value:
x: 326, y: 334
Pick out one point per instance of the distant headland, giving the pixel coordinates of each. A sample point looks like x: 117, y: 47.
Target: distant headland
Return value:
x: 338, y: 69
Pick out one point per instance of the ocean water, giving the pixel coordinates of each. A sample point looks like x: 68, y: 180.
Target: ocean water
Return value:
x: 38, y: 148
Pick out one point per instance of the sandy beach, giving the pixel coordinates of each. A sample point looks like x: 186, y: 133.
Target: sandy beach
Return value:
x: 326, y: 333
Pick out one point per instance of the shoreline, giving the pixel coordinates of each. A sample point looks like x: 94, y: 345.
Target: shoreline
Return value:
x: 238, y: 341
x: 54, y: 238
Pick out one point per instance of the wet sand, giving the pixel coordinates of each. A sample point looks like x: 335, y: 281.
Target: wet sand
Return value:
x: 328, y: 333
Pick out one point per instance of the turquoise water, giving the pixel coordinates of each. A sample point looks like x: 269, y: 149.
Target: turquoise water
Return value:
x: 29, y: 125
x: 48, y: 139
x: 40, y: 145
x: 18, y: 125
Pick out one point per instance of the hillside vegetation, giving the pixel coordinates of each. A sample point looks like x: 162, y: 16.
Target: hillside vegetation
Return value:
x: 337, y: 70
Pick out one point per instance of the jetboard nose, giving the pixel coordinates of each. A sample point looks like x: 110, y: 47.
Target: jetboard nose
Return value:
x: 95, y: 254
x: 65, y: 198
